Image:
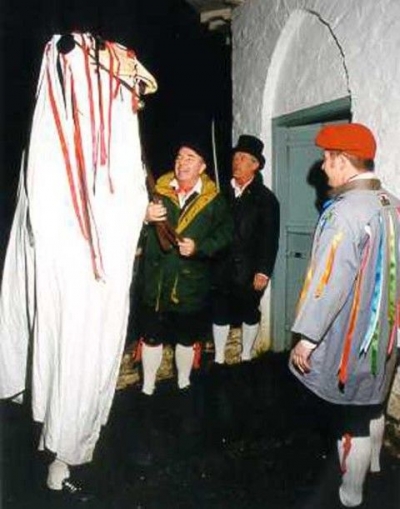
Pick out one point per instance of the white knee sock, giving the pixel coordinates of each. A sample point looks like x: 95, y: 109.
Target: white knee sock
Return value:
x: 356, y: 466
x: 220, y: 334
x: 151, y: 361
x: 376, y: 432
x: 58, y: 471
x: 249, y: 335
x: 184, y: 356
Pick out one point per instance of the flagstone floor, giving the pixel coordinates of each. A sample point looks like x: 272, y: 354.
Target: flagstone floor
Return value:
x: 250, y: 442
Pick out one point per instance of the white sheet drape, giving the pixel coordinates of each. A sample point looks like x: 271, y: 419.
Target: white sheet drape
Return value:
x: 50, y: 299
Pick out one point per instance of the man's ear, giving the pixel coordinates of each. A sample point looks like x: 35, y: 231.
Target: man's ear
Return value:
x: 203, y: 168
x: 343, y: 159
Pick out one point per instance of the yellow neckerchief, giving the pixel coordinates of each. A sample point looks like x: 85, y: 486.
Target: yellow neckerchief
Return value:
x: 208, y: 193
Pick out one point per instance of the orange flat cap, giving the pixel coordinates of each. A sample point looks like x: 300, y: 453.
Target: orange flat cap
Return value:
x: 354, y: 139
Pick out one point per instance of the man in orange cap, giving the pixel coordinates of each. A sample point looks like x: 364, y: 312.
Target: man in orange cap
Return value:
x: 348, y: 314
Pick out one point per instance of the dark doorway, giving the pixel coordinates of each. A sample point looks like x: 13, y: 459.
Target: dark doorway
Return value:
x: 191, y: 64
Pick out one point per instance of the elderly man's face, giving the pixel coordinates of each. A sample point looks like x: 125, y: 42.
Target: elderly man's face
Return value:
x: 244, y: 166
x: 188, y: 167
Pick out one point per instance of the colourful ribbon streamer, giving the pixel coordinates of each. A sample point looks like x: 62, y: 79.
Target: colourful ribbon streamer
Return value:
x: 324, y: 280
x: 343, y: 369
x: 376, y: 301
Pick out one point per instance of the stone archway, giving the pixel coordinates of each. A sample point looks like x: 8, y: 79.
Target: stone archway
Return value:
x: 307, y: 68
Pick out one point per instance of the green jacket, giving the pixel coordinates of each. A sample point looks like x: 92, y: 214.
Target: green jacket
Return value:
x: 172, y: 282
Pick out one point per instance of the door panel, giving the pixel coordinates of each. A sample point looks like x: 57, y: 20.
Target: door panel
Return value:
x: 297, y: 256
x: 299, y: 215
x: 300, y: 186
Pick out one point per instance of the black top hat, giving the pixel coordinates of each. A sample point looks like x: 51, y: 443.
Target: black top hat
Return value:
x: 251, y: 145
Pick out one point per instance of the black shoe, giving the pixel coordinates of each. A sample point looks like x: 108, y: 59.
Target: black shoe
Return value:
x: 73, y: 490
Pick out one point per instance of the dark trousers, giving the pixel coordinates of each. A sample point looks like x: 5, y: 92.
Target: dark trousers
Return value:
x: 338, y: 420
x: 168, y: 327
x: 235, y: 305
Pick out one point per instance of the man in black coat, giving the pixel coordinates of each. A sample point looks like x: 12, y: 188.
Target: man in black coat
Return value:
x: 243, y: 274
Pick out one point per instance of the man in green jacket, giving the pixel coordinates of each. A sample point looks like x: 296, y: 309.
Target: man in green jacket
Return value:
x: 177, y: 279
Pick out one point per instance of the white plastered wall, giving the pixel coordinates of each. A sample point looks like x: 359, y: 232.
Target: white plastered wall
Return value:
x: 293, y: 54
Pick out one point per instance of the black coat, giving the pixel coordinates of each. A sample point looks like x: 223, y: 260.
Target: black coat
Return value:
x: 256, y: 236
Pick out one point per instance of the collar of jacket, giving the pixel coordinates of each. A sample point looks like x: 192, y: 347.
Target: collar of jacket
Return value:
x: 372, y: 184
x: 208, y: 193
x: 256, y: 181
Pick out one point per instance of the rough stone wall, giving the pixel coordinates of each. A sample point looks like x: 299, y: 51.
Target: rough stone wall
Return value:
x: 293, y: 54
x: 367, y: 37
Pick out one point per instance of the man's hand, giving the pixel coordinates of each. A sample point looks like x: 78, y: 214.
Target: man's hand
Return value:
x: 186, y: 247
x: 260, y: 282
x: 155, y: 212
x: 300, y: 355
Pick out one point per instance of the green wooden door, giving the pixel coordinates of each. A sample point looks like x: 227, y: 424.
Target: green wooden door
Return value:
x: 300, y: 186
x: 296, y: 159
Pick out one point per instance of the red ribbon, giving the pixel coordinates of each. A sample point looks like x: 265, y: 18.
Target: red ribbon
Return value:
x: 346, y: 451
x: 197, y: 355
x: 137, y: 352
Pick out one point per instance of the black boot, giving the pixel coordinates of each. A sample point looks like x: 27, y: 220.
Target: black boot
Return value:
x: 75, y: 490
x: 78, y: 488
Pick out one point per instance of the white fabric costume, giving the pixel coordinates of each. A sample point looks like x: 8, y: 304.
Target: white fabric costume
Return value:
x: 68, y: 268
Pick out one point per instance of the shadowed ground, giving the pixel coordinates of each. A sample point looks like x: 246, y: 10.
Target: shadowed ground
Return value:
x: 243, y: 438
